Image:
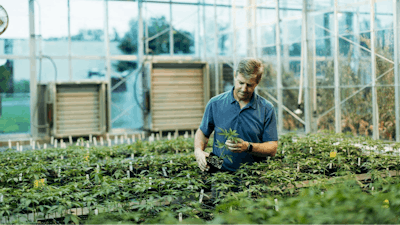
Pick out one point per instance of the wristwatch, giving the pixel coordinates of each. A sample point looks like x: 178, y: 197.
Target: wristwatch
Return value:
x: 249, y: 148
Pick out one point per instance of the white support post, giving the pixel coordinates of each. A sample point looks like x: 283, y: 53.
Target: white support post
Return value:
x: 375, y: 113
x: 338, y: 108
x: 234, y: 33
x: 216, y: 50
x: 146, y: 32
x: 32, y: 61
x: 69, y: 43
x: 308, y: 67
x: 396, y: 29
x: 171, y: 31
x: 204, y: 33
x: 279, y: 69
x: 197, y: 41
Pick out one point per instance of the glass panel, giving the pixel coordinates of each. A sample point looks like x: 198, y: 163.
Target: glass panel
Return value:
x: 325, y: 101
x: 15, y: 103
x: 126, y: 97
x: 53, y: 18
x: 357, y: 111
x: 185, y: 26
x: 387, y: 116
x: 384, y: 46
x: 52, y: 70
x: 122, y: 27
x: 15, y: 40
x: 87, y: 27
x: 290, y: 123
x: 89, y: 69
x: 158, y: 18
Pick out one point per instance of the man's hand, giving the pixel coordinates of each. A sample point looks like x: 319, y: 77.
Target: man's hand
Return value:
x: 240, y: 147
x: 201, y: 159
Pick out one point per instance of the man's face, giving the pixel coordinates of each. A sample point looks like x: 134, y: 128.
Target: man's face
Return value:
x: 244, y: 88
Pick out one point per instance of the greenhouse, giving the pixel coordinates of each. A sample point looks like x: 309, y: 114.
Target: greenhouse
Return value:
x: 113, y: 111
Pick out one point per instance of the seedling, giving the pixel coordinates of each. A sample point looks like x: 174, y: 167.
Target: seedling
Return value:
x: 230, y: 135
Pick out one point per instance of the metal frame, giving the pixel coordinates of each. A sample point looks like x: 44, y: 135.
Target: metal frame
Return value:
x: 396, y: 25
x: 251, y: 9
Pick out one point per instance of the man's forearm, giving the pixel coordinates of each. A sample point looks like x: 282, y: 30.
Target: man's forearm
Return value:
x: 200, y: 141
x: 265, y: 149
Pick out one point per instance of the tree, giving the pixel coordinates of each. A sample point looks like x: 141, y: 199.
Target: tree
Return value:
x: 183, y: 40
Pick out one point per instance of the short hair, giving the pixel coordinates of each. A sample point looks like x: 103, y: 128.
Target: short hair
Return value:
x: 250, y: 67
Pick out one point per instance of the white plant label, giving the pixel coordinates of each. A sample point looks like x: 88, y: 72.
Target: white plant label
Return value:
x: 128, y: 174
x: 20, y: 177
x: 30, y: 141
x: 150, y: 182
x: 95, y: 142
x: 322, y: 193
x: 158, y: 137
x: 98, y: 168
x: 17, y: 146
x: 115, y: 139
x: 310, y: 150
x: 276, y: 205
x: 188, y: 176
x: 101, y: 141
x: 77, y: 143
x: 122, y: 139
x: 298, y: 167
x: 87, y: 176
x: 55, y: 143
x: 130, y: 166
x: 20, y: 148
x: 164, y: 172
x: 125, y: 135
x: 37, y: 158
x: 33, y: 145
x: 60, y: 193
x: 201, y: 196
x: 192, y: 133
x: 170, y: 161
x: 283, y: 152
x: 90, y: 138
x: 186, y: 135
x: 169, y: 136
x: 359, y: 161
x: 1, y: 197
x: 330, y: 165
x: 133, y: 156
x: 180, y: 217
x: 96, y: 212
x: 44, y: 146
x: 9, y: 143
x: 129, y: 141
x: 133, y: 138
x: 8, y: 158
x: 38, y: 145
x: 87, y: 144
x: 52, y: 140
x: 62, y: 157
x: 70, y: 139
x: 109, y: 143
x: 372, y: 188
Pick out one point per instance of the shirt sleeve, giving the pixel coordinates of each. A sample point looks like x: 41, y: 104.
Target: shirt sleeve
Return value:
x: 207, y: 124
x: 270, y: 128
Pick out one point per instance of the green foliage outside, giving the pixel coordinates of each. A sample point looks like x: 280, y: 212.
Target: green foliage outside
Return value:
x: 357, y: 111
x: 183, y: 41
x: 15, y: 119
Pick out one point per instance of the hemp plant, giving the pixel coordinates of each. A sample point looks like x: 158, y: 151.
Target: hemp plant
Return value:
x: 229, y: 135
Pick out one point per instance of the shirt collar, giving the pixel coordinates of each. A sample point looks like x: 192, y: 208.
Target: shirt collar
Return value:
x: 252, y: 102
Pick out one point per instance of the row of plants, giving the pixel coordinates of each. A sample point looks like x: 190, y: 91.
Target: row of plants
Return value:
x: 98, y: 177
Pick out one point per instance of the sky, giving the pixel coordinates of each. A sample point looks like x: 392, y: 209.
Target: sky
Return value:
x: 53, y: 16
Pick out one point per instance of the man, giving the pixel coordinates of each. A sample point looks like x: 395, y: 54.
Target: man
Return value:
x: 252, y: 116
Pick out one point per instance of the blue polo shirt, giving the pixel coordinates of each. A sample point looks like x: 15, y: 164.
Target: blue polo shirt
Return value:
x: 256, y: 123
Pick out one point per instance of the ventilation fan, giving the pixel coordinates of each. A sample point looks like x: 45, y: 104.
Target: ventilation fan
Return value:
x: 3, y: 20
